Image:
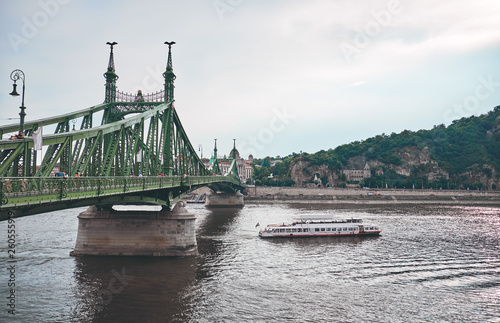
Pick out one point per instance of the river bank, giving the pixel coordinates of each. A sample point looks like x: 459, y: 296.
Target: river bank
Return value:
x: 369, y: 196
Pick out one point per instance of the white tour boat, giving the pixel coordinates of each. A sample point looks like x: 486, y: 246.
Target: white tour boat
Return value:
x: 320, y: 226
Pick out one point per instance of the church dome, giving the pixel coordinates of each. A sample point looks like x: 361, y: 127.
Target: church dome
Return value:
x: 237, y: 153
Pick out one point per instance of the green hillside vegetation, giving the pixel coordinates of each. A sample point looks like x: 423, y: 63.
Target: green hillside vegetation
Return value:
x: 280, y: 177
x: 467, y: 146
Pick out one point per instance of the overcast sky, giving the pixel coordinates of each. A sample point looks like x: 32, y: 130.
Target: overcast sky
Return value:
x: 278, y: 76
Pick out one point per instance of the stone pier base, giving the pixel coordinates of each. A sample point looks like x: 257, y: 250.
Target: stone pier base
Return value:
x: 136, y: 233
x: 225, y: 200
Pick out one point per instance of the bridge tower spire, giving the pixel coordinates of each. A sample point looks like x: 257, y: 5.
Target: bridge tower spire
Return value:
x: 111, y: 77
x: 215, y: 162
x: 169, y: 75
x: 234, y: 149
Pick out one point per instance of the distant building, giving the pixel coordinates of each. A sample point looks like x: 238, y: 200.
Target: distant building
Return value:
x: 245, y: 169
x: 356, y: 175
x: 248, y: 171
x: 206, y: 162
x: 224, y: 167
x: 274, y: 162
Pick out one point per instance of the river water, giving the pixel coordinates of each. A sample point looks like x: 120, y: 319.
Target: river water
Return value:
x: 431, y: 264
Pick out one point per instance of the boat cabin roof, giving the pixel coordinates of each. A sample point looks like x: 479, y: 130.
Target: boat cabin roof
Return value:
x: 327, y: 217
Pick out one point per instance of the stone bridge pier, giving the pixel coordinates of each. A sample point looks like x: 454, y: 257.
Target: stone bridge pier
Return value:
x: 215, y: 199
x: 136, y: 233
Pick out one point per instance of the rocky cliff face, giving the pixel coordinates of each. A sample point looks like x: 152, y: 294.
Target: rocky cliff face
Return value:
x: 486, y: 175
x: 305, y: 174
x: 414, y: 157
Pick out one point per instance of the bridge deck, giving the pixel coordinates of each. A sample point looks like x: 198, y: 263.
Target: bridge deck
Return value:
x: 18, y: 193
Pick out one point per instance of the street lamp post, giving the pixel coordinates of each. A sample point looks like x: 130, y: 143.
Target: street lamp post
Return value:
x: 14, y: 76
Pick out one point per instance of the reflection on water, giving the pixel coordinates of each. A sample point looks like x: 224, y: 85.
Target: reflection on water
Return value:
x: 132, y: 289
x: 218, y: 221
x: 431, y: 263
x: 319, y: 241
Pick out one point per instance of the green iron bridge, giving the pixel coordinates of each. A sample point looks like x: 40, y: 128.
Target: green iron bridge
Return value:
x: 131, y: 149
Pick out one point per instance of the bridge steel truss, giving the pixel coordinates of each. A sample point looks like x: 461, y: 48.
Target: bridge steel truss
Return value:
x: 153, y: 142
x: 146, y: 158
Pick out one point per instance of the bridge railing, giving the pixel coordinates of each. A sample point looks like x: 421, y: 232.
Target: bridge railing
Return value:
x: 18, y: 191
x: 130, y: 97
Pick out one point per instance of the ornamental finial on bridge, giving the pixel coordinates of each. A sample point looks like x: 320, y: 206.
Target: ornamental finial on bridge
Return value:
x: 169, y: 60
x: 169, y: 44
x: 111, y: 64
x: 111, y: 44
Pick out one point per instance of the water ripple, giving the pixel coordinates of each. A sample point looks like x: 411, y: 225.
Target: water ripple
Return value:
x: 431, y: 264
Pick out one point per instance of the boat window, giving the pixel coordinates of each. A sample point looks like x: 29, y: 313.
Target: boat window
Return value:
x: 351, y: 229
x: 317, y: 229
x: 306, y: 230
x: 328, y: 229
x: 294, y: 230
x: 299, y: 230
x: 345, y: 229
x: 288, y: 230
x: 322, y: 229
x: 282, y: 230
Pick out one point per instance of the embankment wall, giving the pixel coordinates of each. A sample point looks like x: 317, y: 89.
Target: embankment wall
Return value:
x: 371, y: 196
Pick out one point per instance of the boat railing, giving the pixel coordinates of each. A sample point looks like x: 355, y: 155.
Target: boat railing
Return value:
x: 325, y: 218
x: 326, y: 221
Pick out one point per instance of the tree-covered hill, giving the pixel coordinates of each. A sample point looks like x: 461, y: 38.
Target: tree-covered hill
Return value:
x: 465, y: 154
